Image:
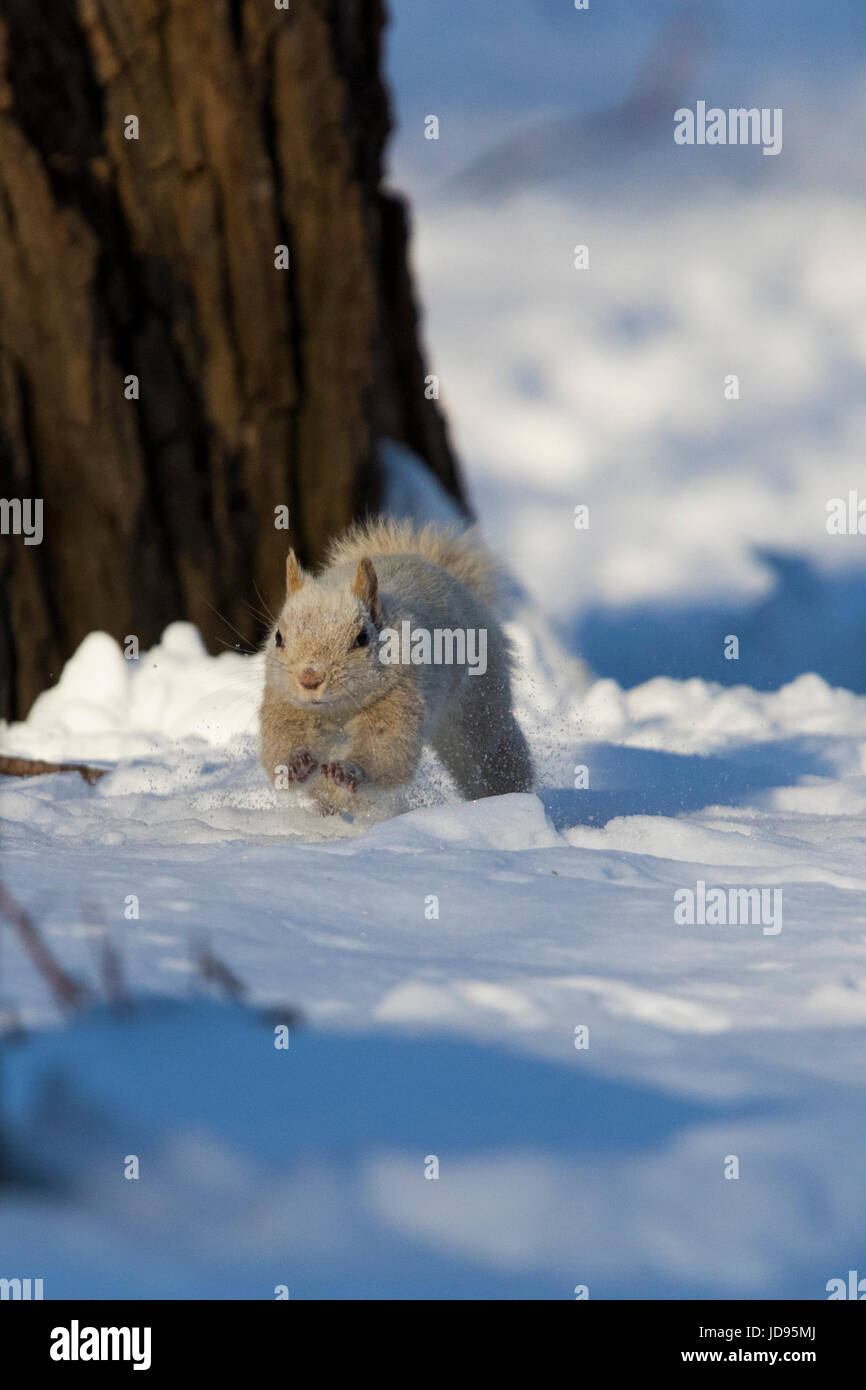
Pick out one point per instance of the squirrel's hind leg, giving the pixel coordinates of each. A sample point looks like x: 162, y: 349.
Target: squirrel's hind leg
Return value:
x: 482, y: 745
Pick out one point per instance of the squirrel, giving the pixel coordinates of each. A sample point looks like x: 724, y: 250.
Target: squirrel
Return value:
x: 360, y: 669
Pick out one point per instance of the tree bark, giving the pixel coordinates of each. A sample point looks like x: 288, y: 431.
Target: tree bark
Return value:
x: 154, y: 258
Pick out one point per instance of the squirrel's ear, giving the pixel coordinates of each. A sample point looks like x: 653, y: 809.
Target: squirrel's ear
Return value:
x: 365, y: 586
x: 294, y: 578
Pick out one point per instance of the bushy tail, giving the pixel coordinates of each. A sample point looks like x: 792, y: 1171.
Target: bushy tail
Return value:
x: 462, y: 553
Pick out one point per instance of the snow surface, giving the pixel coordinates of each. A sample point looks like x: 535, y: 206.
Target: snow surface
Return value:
x: 452, y: 1036
x: 606, y: 387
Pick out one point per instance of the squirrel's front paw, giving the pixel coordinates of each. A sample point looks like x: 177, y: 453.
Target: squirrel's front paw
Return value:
x: 301, y: 765
x: 348, y: 775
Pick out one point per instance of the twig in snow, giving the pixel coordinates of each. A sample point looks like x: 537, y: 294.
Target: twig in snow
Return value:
x: 109, y: 960
x: 69, y: 993
x: 217, y: 972
x: 32, y: 767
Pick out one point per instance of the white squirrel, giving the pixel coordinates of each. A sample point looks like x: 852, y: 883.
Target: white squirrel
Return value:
x: 340, y: 712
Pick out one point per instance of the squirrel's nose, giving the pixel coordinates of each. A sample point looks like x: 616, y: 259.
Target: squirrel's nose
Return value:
x: 310, y: 679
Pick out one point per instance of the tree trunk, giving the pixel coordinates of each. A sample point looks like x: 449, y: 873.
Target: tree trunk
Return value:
x: 155, y: 258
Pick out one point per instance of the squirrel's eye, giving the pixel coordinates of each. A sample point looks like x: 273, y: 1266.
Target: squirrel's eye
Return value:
x: 363, y: 638
x: 278, y: 637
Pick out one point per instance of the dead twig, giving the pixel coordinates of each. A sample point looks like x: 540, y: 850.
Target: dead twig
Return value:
x: 109, y: 961
x: 69, y: 993
x: 32, y: 767
x: 217, y: 972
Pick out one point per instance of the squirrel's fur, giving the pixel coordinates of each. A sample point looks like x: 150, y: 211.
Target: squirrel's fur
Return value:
x: 461, y: 553
x: 337, y: 717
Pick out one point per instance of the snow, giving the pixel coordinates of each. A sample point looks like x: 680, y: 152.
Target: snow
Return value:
x: 662, y: 765
x: 452, y: 1035
x: 606, y: 388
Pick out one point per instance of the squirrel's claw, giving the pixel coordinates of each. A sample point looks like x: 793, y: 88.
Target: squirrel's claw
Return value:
x: 344, y: 774
x: 301, y: 766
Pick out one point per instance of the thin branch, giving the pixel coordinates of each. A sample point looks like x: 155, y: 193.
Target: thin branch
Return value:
x: 68, y: 993
x: 109, y: 961
x: 217, y: 972
x: 32, y: 767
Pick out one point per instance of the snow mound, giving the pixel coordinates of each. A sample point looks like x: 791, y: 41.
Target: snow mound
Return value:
x: 580, y: 1061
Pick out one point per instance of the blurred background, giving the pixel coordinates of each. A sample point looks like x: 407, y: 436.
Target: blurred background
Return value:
x: 605, y: 387
x: 165, y: 385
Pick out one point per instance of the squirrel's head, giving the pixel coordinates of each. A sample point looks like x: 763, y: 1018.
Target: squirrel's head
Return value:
x: 324, y: 649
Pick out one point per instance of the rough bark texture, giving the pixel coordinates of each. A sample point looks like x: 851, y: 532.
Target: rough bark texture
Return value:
x: 154, y: 257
